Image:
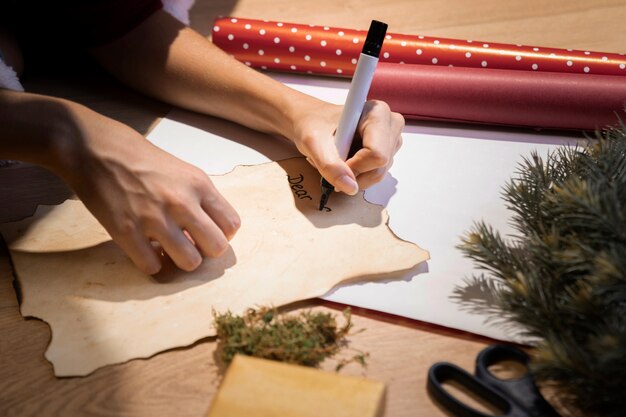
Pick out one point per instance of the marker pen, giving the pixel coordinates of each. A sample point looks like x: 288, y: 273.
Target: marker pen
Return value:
x: 357, y: 95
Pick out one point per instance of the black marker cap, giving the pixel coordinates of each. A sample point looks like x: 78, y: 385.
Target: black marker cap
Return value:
x: 375, y: 38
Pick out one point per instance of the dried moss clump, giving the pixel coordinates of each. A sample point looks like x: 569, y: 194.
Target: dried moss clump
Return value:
x: 304, y: 339
x: 563, y: 276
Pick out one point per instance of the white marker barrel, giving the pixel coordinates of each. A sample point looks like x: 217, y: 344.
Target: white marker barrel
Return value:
x: 357, y: 95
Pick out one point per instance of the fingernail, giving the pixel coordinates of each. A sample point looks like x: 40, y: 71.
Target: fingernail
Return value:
x: 153, y: 269
x: 348, y: 185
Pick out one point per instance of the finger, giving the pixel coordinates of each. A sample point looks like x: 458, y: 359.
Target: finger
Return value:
x: 325, y: 157
x: 222, y: 215
x: 179, y: 248
x: 372, y: 177
x: 365, y: 160
x: 139, y: 250
x: 380, y: 143
x: 208, y: 237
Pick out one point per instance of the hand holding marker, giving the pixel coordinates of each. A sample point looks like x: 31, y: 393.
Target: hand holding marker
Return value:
x: 357, y: 95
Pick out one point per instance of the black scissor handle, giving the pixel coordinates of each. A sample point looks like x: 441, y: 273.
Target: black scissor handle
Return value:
x: 521, y: 390
x: 444, y: 371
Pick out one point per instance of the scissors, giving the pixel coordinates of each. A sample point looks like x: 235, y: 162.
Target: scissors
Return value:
x: 518, y: 397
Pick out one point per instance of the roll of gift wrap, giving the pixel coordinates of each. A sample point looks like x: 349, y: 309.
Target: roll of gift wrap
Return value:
x: 505, y: 97
x: 334, y: 51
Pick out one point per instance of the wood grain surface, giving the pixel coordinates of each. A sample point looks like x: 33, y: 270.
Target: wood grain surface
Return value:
x: 181, y: 382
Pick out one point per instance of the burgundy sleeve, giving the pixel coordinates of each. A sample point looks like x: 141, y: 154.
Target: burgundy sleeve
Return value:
x: 80, y: 23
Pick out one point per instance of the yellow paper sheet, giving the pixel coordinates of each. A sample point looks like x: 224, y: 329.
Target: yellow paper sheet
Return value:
x: 102, y: 310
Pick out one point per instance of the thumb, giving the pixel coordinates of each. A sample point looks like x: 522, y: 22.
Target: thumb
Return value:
x: 337, y: 172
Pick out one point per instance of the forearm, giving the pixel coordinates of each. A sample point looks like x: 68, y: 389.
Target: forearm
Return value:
x: 175, y: 64
x: 33, y: 128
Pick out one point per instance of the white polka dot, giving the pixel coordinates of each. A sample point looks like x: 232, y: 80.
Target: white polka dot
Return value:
x: 420, y: 37
x: 323, y: 43
x: 292, y: 49
x: 339, y: 70
x: 419, y: 52
x: 586, y: 69
x: 354, y: 61
x: 552, y: 54
x: 622, y: 66
x: 484, y: 63
x: 340, y: 33
x: 308, y: 37
x: 434, y: 60
x: 534, y: 67
x: 323, y: 63
x: 604, y: 58
x: 261, y: 52
x: 326, y: 28
x: 216, y: 28
x: 518, y: 57
x: 279, y: 24
x: 569, y: 63
x: 263, y: 67
x: 247, y: 63
x: 450, y: 65
x: 469, y: 41
x: 277, y: 60
x: 247, y: 26
x: 485, y: 45
x: 355, y: 40
x: 386, y: 55
x: 388, y: 37
x: 233, y: 20
x: 276, y: 39
x: 338, y: 51
x: 401, y: 62
x: 536, y: 49
x: 231, y: 37
x: 262, y: 32
x: 569, y: 50
x: 587, y: 53
x: 312, y: 26
x: 519, y: 44
x: 246, y: 46
x: 468, y: 54
x: 309, y: 72
x: 452, y: 46
x: 293, y: 67
x: 307, y: 58
x: 403, y: 43
x: 294, y: 30
x: 436, y: 42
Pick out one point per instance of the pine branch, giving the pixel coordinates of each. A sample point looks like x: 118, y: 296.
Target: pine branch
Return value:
x: 563, y: 276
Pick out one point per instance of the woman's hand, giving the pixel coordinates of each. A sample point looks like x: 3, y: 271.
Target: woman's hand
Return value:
x: 142, y: 194
x: 379, y: 130
x: 138, y: 192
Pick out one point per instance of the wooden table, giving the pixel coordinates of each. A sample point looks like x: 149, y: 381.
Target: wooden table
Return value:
x: 181, y: 382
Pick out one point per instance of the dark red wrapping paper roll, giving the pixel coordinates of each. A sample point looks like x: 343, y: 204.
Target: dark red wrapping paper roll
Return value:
x: 503, y: 97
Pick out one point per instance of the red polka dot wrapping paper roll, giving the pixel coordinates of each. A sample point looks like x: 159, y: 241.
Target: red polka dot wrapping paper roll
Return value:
x: 500, y: 97
x: 313, y: 49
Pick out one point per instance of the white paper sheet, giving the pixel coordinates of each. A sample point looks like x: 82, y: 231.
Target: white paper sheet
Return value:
x: 443, y: 179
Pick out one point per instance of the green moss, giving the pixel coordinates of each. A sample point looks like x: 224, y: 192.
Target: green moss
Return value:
x: 306, y: 338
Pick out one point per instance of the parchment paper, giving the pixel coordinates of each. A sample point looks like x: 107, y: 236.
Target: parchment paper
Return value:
x: 102, y: 310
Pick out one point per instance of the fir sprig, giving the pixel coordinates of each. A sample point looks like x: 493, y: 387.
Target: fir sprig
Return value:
x: 562, y: 277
